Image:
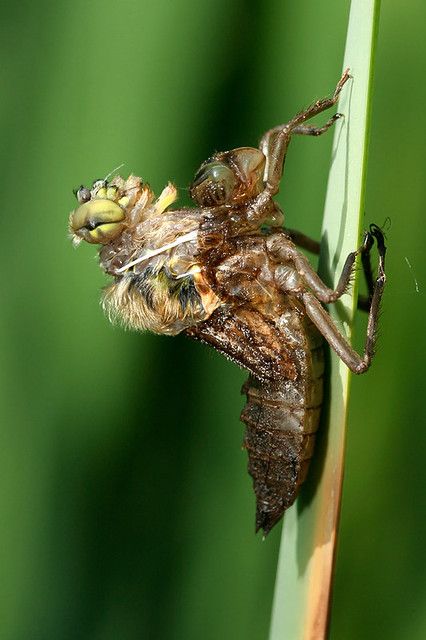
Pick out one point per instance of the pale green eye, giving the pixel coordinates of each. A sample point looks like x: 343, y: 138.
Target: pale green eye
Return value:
x: 213, y: 185
x: 97, y: 221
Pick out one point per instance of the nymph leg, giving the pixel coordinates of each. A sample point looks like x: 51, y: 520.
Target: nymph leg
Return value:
x: 274, y: 146
x: 313, y: 246
x: 325, y: 324
x: 308, y: 130
x: 284, y: 251
x: 275, y: 141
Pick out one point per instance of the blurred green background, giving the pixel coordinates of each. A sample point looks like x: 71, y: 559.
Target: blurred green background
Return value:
x: 126, y: 509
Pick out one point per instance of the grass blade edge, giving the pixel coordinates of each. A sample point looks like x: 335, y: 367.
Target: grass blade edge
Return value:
x: 307, y: 555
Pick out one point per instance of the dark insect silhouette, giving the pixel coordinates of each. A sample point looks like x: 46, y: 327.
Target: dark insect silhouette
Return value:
x: 227, y: 273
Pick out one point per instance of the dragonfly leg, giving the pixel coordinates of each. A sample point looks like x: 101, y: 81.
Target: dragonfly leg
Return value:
x: 274, y: 145
x: 308, y: 130
x: 313, y: 246
x: 284, y: 251
x: 356, y: 363
x: 275, y: 142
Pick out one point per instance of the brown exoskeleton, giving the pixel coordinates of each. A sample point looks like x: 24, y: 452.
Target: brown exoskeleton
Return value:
x: 228, y: 274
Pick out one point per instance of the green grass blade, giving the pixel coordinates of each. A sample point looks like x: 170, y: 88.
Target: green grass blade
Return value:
x: 305, y: 569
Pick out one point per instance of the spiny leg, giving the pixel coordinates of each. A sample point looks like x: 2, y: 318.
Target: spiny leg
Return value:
x: 275, y: 142
x: 313, y: 246
x: 274, y: 146
x: 308, y: 130
x: 318, y: 315
x: 284, y: 251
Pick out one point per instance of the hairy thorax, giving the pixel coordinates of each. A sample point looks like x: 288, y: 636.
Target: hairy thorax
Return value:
x: 165, y: 293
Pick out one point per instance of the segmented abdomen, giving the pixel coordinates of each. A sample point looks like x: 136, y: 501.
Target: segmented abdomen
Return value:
x: 284, y: 356
x: 281, y: 418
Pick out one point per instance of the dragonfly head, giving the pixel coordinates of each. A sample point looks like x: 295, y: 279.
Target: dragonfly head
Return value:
x: 100, y: 216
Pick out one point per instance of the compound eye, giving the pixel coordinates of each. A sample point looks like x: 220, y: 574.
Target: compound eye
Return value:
x: 213, y: 185
x: 98, y: 221
x: 82, y: 194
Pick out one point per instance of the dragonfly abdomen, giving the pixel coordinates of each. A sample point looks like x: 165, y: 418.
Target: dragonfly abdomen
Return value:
x: 281, y: 420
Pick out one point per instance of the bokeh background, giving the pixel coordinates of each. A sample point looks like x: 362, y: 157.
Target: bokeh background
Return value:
x: 126, y: 509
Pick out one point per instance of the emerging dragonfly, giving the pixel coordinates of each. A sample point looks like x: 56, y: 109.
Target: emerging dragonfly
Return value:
x: 227, y: 273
